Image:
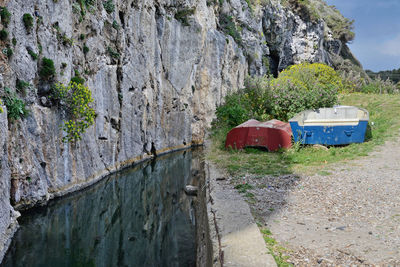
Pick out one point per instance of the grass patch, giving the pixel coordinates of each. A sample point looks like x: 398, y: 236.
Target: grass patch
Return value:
x: 383, y: 110
x: 324, y: 173
x: 275, y: 249
x: 242, y: 188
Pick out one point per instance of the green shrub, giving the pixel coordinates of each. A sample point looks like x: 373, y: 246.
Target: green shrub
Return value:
x: 21, y: 86
x: 113, y: 53
x: 5, y: 16
x: 252, y: 102
x: 16, y: 108
x: 28, y: 22
x: 300, y: 87
x: 304, y: 86
x: 64, y: 39
x: 48, y: 70
x: 1, y: 108
x: 308, y: 75
x: 14, y: 41
x: 352, y: 81
x: 85, y: 49
x: 8, y: 52
x: 234, y: 111
x: 182, y: 15
x: 109, y: 6
x: 77, y: 78
x: 228, y: 26
x: 115, y: 25
x: 379, y: 86
x: 75, y: 99
x: 3, y: 35
x: 33, y: 55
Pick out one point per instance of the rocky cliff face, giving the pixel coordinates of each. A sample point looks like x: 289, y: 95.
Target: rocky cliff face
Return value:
x: 8, y: 222
x: 156, y: 70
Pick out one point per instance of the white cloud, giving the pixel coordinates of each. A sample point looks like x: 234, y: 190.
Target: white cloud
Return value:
x: 391, y: 47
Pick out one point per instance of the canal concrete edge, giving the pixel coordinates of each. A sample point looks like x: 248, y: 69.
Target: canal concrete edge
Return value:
x: 236, y: 238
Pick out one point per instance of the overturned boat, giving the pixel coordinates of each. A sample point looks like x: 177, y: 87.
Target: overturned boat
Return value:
x: 339, y: 125
x: 272, y: 135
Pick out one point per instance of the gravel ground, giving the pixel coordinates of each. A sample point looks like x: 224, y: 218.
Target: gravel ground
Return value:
x: 348, y: 218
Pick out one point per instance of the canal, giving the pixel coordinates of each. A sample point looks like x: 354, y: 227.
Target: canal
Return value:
x: 139, y: 216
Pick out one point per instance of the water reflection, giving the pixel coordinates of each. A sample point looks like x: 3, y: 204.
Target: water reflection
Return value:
x: 138, y: 217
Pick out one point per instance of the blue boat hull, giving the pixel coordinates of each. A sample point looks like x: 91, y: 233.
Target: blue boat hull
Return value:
x: 329, y: 135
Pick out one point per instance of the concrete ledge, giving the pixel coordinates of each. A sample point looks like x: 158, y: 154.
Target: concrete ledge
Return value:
x: 237, y: 241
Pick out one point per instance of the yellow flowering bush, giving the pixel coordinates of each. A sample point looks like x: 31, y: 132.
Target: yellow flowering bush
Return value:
x: 304, y: 86
x: 76, y: 99
x: 308, y: 76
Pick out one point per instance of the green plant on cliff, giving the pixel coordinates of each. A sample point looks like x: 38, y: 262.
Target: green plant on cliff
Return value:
x: 22, y: 86
x: 109, y: 6
x: 47, y: 70
x: 75, y: 99
x: 33, y: 55
x: 114, y: 54
x: 3, y: 35
x: 317, y: 10
x: 115, y: 25
x: 8, y: 51
x: 182, y: 15
x: 228, y: 26
x: 16, y: 108
x: 85, y: 49
x: 5, y: 16
x: 1, y: 108
x: 28, y: 22
x: 77, y: 78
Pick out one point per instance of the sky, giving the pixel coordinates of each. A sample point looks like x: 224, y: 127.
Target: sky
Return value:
x: 377, y: 28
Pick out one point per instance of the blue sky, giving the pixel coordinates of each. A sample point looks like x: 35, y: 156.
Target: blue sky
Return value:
x: 377, y: 28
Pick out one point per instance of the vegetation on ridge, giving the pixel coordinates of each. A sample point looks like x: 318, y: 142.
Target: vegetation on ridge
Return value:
x: 16, y: 108
x: 315, y: 10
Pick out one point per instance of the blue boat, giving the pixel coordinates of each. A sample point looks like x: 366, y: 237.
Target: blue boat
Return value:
x: 339, y: 125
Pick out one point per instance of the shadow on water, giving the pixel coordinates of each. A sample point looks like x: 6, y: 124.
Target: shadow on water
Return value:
x: 137, y: 217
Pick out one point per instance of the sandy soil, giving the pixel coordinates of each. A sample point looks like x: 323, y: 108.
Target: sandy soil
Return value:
x: 348, y: 218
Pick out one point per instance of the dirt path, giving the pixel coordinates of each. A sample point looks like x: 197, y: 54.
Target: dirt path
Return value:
x: 350, y: 217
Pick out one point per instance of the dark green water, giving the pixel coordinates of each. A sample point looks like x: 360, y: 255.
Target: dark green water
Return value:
x: 137, y: 217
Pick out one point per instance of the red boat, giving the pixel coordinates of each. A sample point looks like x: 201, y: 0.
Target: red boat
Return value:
x: 271, y: 134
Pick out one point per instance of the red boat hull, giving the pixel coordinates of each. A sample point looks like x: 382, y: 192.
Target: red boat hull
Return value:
x: 272, y: 135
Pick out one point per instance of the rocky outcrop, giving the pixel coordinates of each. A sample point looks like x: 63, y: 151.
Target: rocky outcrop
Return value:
x: 156, y: 70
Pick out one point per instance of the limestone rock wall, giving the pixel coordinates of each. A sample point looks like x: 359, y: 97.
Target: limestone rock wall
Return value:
x: 8, y: 216
x: 159, y: 94
x: 156, y: 70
